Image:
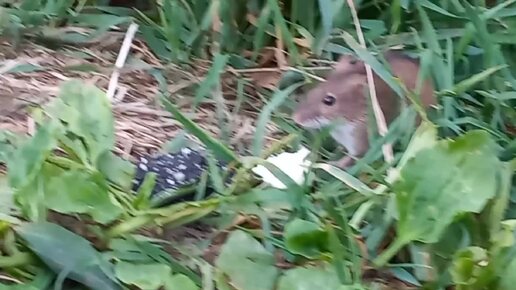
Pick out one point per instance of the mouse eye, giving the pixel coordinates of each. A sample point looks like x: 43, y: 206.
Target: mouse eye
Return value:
x: 329, y: 100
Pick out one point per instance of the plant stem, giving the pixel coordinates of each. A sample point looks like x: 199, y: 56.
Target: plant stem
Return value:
x: 16, y: 260
x: 392, y: 250
x: 129, y: 225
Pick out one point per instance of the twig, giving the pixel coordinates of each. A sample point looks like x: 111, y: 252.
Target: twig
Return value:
x: 284, y: 69
x: 380, y: 118
x: 275, y: 69
x: 10, y: 279
x: 122, y: 56
x: 31, y: 126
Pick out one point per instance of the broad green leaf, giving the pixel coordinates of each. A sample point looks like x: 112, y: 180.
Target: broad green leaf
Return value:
x: 25, y: 162
x: 218, y: 149
x: 128, y: 250
x: 305, y: 238
x: 30, y: 199
x: 144, y: 276
x: 450, y: 178
x: 116, y: 169
x: 159, y: 254
x: 180, y: 282
x: 64, y: 251
x: 503, y: 237
x: 470, y: 268
x: 77, y: 191
x: 7, y: 206
x: 86, y: 111
x: 9, y: 141
x: 508, y: 279
x: 424, y: 137
x: 242, y: 258
x: 309, y: 278
x: 140, y: 249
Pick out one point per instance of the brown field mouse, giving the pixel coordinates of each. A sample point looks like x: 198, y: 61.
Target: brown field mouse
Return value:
x: 343, y: 98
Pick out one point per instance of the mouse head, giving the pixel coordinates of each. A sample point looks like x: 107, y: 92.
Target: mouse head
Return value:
x: 340, y: 98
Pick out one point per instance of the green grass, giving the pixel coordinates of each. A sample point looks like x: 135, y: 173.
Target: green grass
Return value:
x: 446, y: 220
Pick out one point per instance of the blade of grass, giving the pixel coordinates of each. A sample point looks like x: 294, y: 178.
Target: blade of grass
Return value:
x: 433, y: 43
x: 347, y: 178
x: 362, y: 52
x: 468, y: 83
x: 212, y: 78
x: 259, y: 35
x: 437, y: 9
x: 326, y: 11
x: 281, y: 23
x: 395, y: 15
x: 170, y: 21
x: 215, y: 175
x: 219, y: 149
x: 277, y: 99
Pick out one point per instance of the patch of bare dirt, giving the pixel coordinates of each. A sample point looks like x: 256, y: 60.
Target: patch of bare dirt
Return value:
x: 142, y: 126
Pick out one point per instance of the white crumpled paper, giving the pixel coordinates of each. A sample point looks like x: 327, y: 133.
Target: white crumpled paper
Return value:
x: 292, y: 164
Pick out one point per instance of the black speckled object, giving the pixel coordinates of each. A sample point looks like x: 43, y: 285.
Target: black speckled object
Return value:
x: 173, y: 171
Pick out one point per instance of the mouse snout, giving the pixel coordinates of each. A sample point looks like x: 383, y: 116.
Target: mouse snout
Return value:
x: 296, y: 116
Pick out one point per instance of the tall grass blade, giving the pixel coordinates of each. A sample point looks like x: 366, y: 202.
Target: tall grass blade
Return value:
x: 278, y: 98
x: 219, y: 149
x: 212, y: 79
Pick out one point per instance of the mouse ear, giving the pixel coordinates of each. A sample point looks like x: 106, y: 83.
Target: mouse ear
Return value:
x: 346, y: 61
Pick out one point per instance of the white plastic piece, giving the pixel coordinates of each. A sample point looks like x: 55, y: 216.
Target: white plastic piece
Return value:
x: 292, y: 164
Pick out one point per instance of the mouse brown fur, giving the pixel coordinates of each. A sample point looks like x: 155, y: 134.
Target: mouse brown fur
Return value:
x: 343, y: 98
